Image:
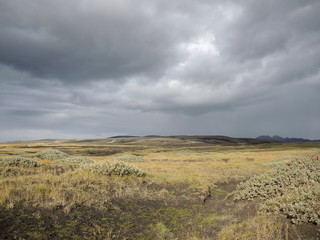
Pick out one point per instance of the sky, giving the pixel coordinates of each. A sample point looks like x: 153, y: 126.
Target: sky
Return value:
x: 98, y: 68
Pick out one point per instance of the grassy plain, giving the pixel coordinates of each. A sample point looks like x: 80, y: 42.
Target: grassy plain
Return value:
x: 185, y: 194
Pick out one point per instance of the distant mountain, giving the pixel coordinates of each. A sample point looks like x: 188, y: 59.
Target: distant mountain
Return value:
x: 286, y: 139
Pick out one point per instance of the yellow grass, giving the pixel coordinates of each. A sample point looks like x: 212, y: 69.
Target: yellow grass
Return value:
x: 200, y: 166
x: 209, y: 167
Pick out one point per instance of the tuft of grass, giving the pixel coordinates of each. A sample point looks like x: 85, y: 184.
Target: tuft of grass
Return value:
x: 18, y: 161
x: 161, y: 231
x: 225, y: 159
x: 259, y: 227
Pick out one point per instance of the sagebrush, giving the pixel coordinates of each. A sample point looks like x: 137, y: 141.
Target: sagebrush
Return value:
x: 292, y: 188
x: 51, y: 155
x: 18, y: 161
x: 130, y: 158
x: 60, y: 156
x: 114, y: 168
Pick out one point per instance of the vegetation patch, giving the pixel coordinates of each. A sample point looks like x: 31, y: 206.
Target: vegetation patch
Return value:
x: 292, y: 188
x: 225, y: 159
x: 15, y: 161
x: 259, y: 227
x: 114, y: 168
x: 130, y: 158
x: 77, y: 160
x: 51, y: 155
x: 185, y: 195
x: 60, y: 156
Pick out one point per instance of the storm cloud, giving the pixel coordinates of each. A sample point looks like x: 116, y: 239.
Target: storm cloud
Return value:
x: 73, y: 69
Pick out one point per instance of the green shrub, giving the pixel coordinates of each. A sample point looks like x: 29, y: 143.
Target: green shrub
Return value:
x: 51, y: 155
x: 301, y: 204
x: 19, y: 152
x: 161, y: 231
x: 61, y: 157
x: 130, y: 158
x: 18, y: 161
x: 77, y: 160
x: 292, y: 188
x: 225, y: 159
x: 114, y: 168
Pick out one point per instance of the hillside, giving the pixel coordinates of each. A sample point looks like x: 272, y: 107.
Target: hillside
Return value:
x: 153, y: 140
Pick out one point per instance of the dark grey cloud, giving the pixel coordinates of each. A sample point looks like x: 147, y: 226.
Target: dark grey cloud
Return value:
x: 101, y: 68
x: 92, y: 40
x: 268, y: 27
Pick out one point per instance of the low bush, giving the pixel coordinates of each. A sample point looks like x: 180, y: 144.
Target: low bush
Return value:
x: 51, y: 155
x: 301, y: 204
x: 114, y: 168
x: 19, y: 152
x: 130, y: 158
x: 61, y: 157
x: 77, y: 160
x: 18, y: 161
x: 292, y: 188
x: 225, y: 159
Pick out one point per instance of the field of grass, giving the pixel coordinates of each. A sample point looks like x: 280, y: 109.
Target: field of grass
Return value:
x: 154, y: 188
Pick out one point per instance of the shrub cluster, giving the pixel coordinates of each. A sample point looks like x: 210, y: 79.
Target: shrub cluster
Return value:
x: 301, y: 205
x: 61, y: 157
x: 51, y: 155
x: 130, y: 158
x: 225, y: 159
x: 292, y: 188
x: 114, y: 168
x: 18, y: 161
x: 77, y: 160
x: 19, y: 152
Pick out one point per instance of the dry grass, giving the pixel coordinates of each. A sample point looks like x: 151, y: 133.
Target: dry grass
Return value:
x: 207, y: 168
x: 260, y: 227
x: 166, y: 202
x: 49, y: 189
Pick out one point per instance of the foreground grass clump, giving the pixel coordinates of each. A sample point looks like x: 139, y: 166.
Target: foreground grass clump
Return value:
x: 52, y: 155
x: 258, y: 227
x: 114, y: 168
x: 18, y: 161
x: 292, y: 188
